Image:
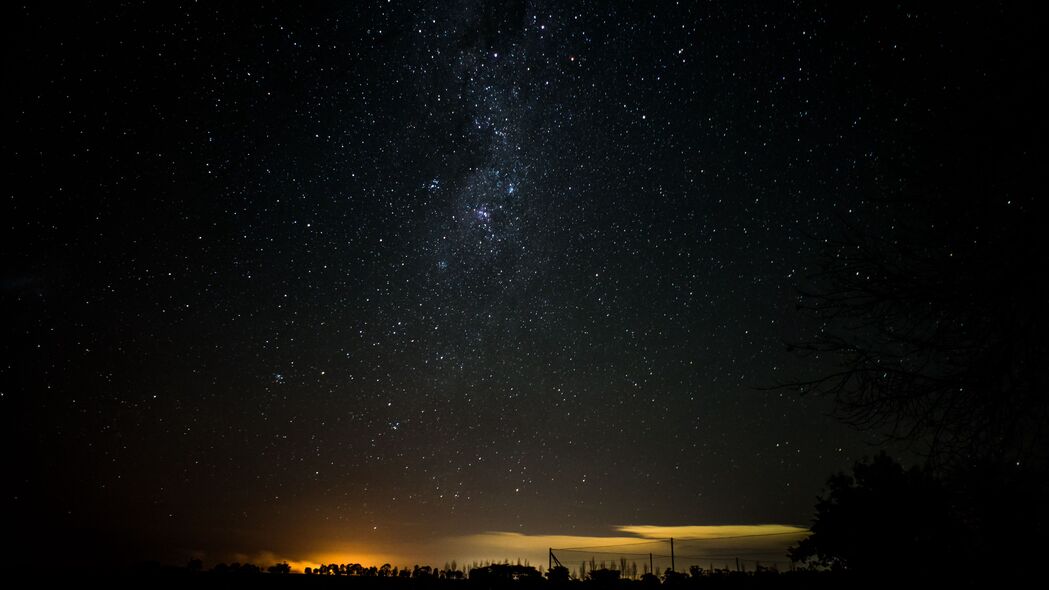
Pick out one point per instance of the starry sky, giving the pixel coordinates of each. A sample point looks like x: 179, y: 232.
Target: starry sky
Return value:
x: 359, y: 278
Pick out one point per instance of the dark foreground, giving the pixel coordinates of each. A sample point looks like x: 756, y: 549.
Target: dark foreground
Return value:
x: 172, y: 578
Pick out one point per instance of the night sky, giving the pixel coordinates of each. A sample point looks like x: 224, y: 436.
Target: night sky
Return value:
x: 361, y: 279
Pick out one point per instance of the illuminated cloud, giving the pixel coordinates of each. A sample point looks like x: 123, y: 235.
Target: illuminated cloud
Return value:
x: 648, y: 531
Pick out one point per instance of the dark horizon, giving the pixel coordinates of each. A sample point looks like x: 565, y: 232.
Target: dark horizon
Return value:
x: 380, y: 279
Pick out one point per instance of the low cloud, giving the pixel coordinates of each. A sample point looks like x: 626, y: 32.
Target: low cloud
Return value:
x: 696, y: 532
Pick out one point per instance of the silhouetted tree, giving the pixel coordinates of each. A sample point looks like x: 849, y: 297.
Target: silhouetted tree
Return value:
x: 604, y: 576
x: 930, y: 303
x: 671, y: 577
x: 942, y: 348
x: 500, y: 574
x: 882, y: 517
x: 279, y: 568
x: 557, y: 574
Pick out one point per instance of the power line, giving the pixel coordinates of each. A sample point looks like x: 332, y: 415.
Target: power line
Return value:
x: 751, y: 554
x: 698, y: 557
x: 607, y: 552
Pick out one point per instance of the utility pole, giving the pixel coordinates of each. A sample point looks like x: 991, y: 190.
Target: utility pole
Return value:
x: 672, y: 568
x: 651, y: 569
x: 551, y: 559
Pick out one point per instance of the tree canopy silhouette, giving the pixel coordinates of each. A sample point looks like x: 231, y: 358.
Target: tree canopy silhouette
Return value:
x: 279, y: 568
x: 881, y: 518
x: 936, y: 344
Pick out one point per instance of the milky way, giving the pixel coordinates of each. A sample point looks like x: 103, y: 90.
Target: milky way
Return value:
x: 357, y: 275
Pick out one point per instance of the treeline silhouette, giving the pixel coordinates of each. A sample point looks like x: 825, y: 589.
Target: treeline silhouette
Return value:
x: 450, y: 571
x: 479, y: 576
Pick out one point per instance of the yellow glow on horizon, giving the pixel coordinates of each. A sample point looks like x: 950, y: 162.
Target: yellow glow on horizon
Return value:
x: 647, y: 531
x: 513, y: 540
